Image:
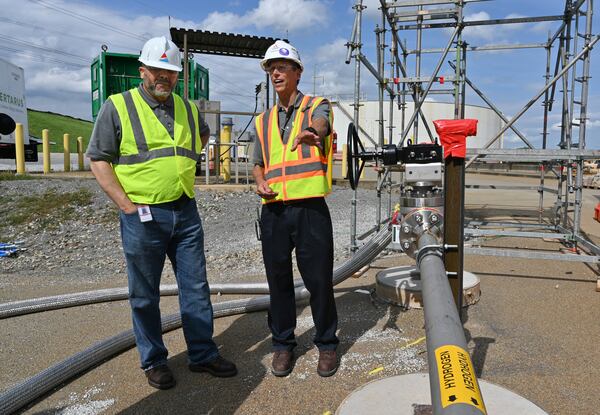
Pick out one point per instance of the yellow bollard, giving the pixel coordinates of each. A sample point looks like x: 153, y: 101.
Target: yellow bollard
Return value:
x: 80, y: 152
x: 67, y: 152
x: 19, y: 149
x: 345, y: 161
x: 226, y: 139
x: 46, y: 150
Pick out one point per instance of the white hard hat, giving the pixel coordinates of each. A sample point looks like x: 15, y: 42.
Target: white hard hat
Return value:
x: 281, y: 50
x: 160, y: 52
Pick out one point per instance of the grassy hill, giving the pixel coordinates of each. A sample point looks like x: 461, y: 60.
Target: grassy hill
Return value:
x: 58, y: 125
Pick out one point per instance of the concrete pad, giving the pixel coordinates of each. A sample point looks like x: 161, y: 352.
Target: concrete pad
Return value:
x: 402, y: 286
x: 410, y: 395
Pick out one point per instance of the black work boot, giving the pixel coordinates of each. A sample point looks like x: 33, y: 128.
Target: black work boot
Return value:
x: 218, y: 367
x: 160, y: 377
x: 282, y: 362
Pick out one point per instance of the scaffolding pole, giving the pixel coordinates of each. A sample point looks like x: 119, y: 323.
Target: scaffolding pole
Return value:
x: 571, y: 79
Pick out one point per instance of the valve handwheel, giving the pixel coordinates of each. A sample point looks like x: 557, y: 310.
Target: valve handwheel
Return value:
x: 353, y: 159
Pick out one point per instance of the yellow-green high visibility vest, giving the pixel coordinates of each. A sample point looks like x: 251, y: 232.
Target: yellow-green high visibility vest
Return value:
x: 152, y: 167
x: 300, y: 174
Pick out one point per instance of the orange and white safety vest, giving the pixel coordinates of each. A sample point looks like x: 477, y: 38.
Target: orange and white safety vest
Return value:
x: 300, y: 174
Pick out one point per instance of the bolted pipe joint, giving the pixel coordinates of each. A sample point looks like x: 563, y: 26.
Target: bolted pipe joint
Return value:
x: 419, y: 221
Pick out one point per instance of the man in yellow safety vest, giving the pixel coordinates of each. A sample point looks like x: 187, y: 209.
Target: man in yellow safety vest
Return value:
x: 292, y: 168
x: 143, y: 152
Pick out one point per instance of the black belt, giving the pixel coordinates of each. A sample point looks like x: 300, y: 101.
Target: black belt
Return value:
x: 175, y: 204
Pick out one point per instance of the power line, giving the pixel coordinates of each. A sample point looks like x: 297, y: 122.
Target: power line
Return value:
x: 87, y: 19
x: 38, y: 58
x: 43, y: 49
x: 45, y: 29
x: 98, y: 23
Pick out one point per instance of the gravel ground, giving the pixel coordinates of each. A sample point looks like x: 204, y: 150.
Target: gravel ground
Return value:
x: 87, y: 248
x: 534, y: 331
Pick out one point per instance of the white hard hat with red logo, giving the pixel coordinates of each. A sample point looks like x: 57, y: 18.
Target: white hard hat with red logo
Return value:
x: 160, y: 52
x: 281, y: 50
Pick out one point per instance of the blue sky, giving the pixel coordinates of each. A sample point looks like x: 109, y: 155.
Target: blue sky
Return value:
x: 56, y: 40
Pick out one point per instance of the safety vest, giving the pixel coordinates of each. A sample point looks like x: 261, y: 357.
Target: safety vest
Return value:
x: 152, y: 167
x: 300, y: 174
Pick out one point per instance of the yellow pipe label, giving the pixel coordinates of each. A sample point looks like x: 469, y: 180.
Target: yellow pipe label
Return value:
x: 458, y: 383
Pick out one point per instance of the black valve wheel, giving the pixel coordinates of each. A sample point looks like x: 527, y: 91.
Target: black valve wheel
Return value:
x: 353, y: 157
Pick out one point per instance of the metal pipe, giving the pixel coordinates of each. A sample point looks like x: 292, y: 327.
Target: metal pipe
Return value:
x: 486, y: 48
x: 556, y: 66
x: 403, y: 100
x: 357, y: 46
x: 350, y: 44
x: 493, y: 107
x: 566, y: 115
x: 375, y: 72
x: 582, y: 119
x: 433, y: 76
x: 186, y: 69
x: 392, y: 96
x: 402, y: 64
x: 417, y: 86
x: 471, y: 23
x: 36, y: 305
x: 452, y: 379
x: 463, y: 96
x: 380, y: 39
x: 545, y: 131
x: 360, y: 129
x: 538, y: 95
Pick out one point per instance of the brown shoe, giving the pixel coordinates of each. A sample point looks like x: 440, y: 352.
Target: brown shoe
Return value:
x: 282, y: 362
x: 328, y: 363
x: 160, y: 377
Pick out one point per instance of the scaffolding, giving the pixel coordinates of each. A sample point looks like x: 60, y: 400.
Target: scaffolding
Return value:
x: 569, y: 47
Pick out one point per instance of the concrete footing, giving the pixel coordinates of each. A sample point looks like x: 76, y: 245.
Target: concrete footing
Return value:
x: 410, y: 395
x: 402, y: 286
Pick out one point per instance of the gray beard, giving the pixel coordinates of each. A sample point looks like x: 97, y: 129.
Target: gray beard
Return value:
x: 158, y: 94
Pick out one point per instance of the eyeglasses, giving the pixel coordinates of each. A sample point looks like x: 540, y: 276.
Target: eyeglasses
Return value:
x: 155, y: 71
x: 280, y: 67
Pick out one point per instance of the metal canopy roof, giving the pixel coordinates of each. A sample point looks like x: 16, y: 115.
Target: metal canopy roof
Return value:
x: 228, y: 44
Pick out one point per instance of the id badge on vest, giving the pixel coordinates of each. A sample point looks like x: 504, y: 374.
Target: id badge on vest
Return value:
x: 144, y: 213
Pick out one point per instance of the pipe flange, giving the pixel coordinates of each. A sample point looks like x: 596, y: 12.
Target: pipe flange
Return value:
x: 415, y: 223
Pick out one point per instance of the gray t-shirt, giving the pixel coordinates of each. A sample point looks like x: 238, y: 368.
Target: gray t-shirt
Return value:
x: 286, y: 124
x: 106, y: 137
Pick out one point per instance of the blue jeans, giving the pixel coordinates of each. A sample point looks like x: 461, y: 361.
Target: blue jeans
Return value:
x: 175, y: 231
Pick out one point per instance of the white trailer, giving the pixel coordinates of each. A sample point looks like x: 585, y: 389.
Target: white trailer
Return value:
x: 13, y: 108
x: 12, y: 98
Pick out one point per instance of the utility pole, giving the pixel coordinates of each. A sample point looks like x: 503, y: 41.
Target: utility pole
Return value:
x: 315, y: 80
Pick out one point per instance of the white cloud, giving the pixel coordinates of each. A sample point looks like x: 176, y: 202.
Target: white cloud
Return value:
x: 56, y: 49
x: 495, y: 34
x: 338, y: 78
x: 222, y: 22
x: 372, y: 11
x: 280, y: 15
x: 289, y: 15
x: 52, y: 69
x: 59, y: 79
